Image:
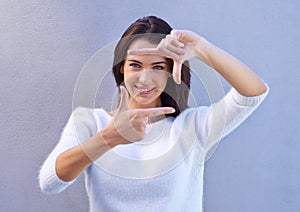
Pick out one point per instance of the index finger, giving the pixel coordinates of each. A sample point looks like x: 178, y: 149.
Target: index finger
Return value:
x: 143, y: 51
x: 154, y: 51
x: 156, y: 111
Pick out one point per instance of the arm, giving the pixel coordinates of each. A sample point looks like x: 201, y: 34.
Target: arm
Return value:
x: 236, y: 73
x: 249, y: 90
x: 72, y: 162
x: 183, y: 45
x: 81, y: 144
x: 216, y: 121
x: 75, y: 151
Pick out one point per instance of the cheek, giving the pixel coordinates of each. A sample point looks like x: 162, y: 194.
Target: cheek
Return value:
x: 130, y: 77
x: 129, y: 80
x: 163, y: 79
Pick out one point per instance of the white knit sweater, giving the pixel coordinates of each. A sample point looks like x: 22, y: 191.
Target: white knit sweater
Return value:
x: 163, y: 172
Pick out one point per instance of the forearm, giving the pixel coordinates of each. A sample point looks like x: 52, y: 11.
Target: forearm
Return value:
x: 235, y: 72
x: 74, y: 161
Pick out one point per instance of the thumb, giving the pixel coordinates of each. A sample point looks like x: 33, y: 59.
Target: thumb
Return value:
x: 124, y: 99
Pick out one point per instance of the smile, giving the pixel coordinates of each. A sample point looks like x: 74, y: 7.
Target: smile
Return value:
x: 144, y: 90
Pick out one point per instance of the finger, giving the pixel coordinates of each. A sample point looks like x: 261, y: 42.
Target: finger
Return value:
x: 157, y: 51
x: 152, y: 112
x: 124, y: 100
x: 177, y: 71
x: 173, y: 49
x: 174, y: 40
x: 179, y: 34
x: 142, y: 51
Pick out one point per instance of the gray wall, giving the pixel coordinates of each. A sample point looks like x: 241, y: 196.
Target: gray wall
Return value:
x: 44, y: 45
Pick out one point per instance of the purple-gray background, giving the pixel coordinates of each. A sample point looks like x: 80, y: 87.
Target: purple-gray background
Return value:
x: 44, y: 45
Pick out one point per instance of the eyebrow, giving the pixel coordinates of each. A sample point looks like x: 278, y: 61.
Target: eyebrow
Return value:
x: 155, y: 63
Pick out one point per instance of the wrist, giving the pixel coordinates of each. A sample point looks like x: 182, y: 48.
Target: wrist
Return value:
x: 202, y: 49
x: 108, y: 138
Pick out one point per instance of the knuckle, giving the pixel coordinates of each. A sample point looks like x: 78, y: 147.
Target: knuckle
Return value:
x: 163, y: 40
x: 173, y: 40
x: 160, y: 46
x: 141, y: 136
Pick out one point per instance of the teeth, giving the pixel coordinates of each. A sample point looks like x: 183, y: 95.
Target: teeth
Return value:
x: 144, y: 89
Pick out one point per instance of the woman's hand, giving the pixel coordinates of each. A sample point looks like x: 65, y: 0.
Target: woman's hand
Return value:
x: 130, y: 125
x: 182, y: 45
x: 179, y: 45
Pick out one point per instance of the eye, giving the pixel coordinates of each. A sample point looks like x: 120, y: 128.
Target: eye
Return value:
x: 158, y: 68
x: 135, y: 65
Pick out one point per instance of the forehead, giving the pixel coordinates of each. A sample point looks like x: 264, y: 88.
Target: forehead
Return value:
x: 141, y: 44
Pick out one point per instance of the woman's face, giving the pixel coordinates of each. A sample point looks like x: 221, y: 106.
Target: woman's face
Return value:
x: 145, y: 76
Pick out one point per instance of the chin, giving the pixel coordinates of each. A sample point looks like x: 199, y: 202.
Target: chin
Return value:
x: 143, y: 101
x: 148, y: 102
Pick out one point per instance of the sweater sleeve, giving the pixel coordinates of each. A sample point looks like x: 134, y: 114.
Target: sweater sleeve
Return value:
x: 221, y: 118
x: 80, y: 126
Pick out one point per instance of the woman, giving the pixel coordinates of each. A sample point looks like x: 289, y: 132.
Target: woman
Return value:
x: 148, y: 154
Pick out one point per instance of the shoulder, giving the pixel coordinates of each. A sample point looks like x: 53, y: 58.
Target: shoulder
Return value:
x: 90, y: 112
x: 90, y: 116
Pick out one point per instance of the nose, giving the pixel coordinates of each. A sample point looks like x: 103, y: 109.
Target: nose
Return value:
x: 145, y: 76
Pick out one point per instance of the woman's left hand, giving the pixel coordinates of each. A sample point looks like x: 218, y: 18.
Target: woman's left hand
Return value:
x: 182, y: 45
x: 179, y: 45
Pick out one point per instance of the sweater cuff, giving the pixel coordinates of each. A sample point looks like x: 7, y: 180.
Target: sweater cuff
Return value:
x: 248, y: 101
x: 51, y: 182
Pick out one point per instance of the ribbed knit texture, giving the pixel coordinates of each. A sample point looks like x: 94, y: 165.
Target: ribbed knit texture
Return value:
x: 163, y: 172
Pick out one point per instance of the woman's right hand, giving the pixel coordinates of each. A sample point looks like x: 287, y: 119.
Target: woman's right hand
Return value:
x: 128, y: 125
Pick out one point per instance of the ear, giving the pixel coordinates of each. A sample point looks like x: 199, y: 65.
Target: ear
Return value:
x: 122, y: 69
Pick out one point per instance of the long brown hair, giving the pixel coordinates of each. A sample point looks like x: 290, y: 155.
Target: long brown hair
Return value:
x: 154, y: 30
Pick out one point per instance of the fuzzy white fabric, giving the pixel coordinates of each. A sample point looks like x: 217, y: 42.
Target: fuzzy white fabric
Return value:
x: 163, y: 172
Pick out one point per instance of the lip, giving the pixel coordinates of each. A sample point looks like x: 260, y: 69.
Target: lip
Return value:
x: 144, y: 90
